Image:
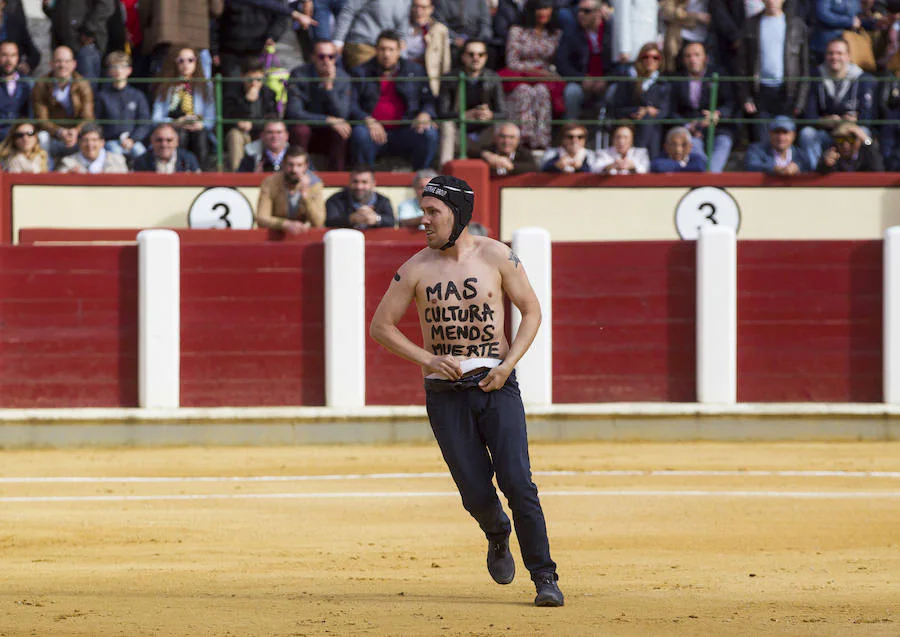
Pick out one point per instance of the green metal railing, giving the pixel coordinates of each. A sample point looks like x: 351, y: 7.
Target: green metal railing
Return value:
x: 218, y: 82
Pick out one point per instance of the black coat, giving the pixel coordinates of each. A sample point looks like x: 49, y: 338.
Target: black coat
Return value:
x: 574, y: 52
x: 17, y: 31
x: 236, y: 106
x: 683, y: 108
x: 339, y: 207
x: 185, y: 162
x: 70, y: 19
x: 243, y: 29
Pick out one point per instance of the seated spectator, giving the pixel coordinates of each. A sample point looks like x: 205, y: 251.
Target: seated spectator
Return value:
x: 127, y: 105
x: 778, y: 156
x: 428, y: 43
x: 165, y: 157
x: 854, y: 151
x: 14, y: 29
x: 328, y: 100
x: 623, y: 158
x: 92, y: 158
x: 831, y: 19
x: 250, y: 107
x: 504, y: 157
x: 678, y: 157
x: 466, y: 20
x: 166, y: 23
x: 571, y: 156
x: 636, y: 22
x: 530, y: 53
x: 245, y: 30
x: 409, y: 212
x: 81, y: 25
x: 183, y: 99
x: 845, y: 94
x: 15, y: 101
x: 485, y: 103
x: 20, y: 151
x: 273, y: 144
x: 64, y: 96
x: 585, y: 52
x: 394, y: 97
x: 359, y: 206
x: 644, y: 100
x: 686, y: 21
x: 360, y: 25
x: 692, y: 101
x: 292, y: 199
x: 775, y: 53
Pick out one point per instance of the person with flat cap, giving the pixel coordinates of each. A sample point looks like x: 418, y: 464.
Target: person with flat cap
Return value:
x: 458, y: 282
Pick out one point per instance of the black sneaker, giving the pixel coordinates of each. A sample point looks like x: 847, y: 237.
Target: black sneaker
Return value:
x: 548, y: 593
x: 500, y: 562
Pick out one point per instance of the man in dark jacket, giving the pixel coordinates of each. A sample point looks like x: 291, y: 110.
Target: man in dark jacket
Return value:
x: 485, y: 103
x: 504, y: 157
x: 165, y: 157
x: 251, y: 106
x: 386, y: 97
x: 15, y: 27
x: 15, y: 104
x: 854, y: 151
x: 585, y: 51
x: 81, y: 26
x: 126, y: 105
x: 775, y: 53
x: 244, y: 31
x: 727, y: 25
x: 466, y: 19
x: 321, y: 92
x: 359, y: 206
x: 778, y: 156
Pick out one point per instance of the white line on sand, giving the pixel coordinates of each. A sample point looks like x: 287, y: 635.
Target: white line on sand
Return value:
x: 803, y: 495
x: 439, y: 474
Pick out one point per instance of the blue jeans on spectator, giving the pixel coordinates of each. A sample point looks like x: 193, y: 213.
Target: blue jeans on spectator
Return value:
x: 89, y: 62
x: 136, y: 151
x: 402, y: 141
x: 325, y: 12
x: 722, y: 143
x: 574, y: 98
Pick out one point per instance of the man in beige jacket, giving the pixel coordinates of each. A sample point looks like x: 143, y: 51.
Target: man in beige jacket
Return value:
x: 291, y: 200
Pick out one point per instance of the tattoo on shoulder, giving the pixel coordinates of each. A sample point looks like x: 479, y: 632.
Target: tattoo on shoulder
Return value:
x: 396, y: 276
x: 514, y: 258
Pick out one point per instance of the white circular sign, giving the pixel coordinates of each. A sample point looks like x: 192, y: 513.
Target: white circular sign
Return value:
x: 704, y: 206
x: 221, y: 208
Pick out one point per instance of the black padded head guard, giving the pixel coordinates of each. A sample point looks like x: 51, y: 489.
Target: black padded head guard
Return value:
x: 458, y: 196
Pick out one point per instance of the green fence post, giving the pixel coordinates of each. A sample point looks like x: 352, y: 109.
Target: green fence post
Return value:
x: 220, y: 126
x: 711, y: 130
x: 463, y: 133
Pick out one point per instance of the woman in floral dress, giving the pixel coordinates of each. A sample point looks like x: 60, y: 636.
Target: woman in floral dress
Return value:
x: 530, y: 50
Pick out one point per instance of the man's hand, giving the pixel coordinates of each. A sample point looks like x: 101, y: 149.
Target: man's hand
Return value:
x: 856, y: 22
x: 126, y: 143
x: 831, y: 156
x: 245, y: 126
x: 486, y: 112
x: 447, y: 366
x: 303, y: 20
x: 339, y: 126
x: 24, y: 68
x: 376, y: 131
x: 495, y: 379
x: 750, y: 107
x: 422, y: 122
x: 652, y: 111
x: 364, y: 216
x: 849, y: 116
x: 292, y: 226
x: 498, y: 162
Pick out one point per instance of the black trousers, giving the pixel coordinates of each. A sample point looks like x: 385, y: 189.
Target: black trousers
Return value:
x: 480, y: 433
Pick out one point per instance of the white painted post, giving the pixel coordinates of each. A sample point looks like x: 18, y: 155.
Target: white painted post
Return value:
x: 535, y: 369
x: 891, y: 317
x: 717, y: 315
x: 345, y: 318
x: 159, y: 319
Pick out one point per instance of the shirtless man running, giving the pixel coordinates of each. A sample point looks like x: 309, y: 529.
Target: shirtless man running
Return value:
x: 473, y: 402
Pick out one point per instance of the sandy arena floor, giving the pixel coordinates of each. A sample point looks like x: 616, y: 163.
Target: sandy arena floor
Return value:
x: 651, y: 539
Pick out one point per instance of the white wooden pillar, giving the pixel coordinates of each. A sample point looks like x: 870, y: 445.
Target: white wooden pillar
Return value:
x: 535, y: 370
x: 159, y: 319
x: 891, y: 317
x: 717, y: 315
x: 345, y: 318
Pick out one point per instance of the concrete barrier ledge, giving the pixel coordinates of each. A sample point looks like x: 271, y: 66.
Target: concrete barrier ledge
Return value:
x: 256, y: 426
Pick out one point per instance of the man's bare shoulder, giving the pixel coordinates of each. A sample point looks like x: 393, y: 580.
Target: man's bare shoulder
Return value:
x: 495, y: 252
x: 413, y: 266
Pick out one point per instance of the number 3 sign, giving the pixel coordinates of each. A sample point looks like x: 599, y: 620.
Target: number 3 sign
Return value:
x: 706, y: 206
x: 222, y: 208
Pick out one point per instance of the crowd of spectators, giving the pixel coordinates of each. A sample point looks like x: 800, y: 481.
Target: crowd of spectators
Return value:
x: 603, y: 86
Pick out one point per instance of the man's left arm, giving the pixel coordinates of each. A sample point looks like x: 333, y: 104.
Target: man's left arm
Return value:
x: 518, y: 289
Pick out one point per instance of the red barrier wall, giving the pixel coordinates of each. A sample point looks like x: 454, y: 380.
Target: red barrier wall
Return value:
x: 252, y: 324
x: 623, y: 322
x: 69, y: 326
x: 390, y: 380
x: 810, y: 321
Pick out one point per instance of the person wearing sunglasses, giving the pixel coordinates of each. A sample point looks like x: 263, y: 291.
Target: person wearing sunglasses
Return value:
x: 485, y: 104
x: 321, y: 96
x: 20, y: 151
x: 853, y: 151
x: 645, y: 99
x: 165, y: 157
x: 251, y: 107
x: 686, y: 21
x: 184, y: 99
x: 572, y: 156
